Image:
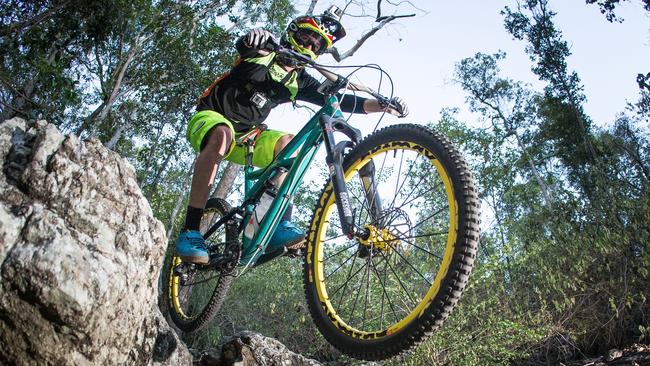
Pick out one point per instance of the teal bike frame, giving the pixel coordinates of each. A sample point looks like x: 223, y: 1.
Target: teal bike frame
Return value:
x: 306, y: 142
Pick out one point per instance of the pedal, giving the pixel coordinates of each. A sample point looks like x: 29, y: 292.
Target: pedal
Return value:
x: 270, y: 255
x: 295, y: 253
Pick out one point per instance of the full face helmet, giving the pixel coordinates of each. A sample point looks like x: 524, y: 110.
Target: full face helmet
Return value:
x: 312, y: 35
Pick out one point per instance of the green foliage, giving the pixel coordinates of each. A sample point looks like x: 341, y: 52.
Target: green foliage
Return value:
x: 607, y: 7
x: 573, y: 260
x: 270, y: 300
x: 566, y: 205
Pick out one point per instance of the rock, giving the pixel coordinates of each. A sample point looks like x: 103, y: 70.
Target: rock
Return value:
x: 614, y: 354
x: 80, y: 254
x: 253, y: 349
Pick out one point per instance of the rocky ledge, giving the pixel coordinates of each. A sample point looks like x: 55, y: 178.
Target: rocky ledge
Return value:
x: 80, y: 254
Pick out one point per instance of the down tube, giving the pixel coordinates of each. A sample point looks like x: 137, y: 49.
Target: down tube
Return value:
x: 290, y: 185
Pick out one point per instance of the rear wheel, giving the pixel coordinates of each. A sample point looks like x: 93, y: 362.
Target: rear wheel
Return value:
x: 194, y: 293
x: 379, y: 295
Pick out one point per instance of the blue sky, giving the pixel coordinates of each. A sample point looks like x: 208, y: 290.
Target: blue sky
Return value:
x: 420, y: 53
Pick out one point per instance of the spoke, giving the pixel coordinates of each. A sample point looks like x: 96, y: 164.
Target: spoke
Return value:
x: 406, y: 176
x: 345, y: 284
x: 421, y: 235
x: 399, y: 172
x: 349, y: 278
x: 387, y: 212
x: 399, y: 280
x: 357, y: 199
x: 340, y: 265
x: 356, y: 298
x: 384, y: 294
x: 335, y: 225
x: 340, y: 251
x: 351, y: 191
x: 365, y: 305
x: 412, y: 267
x: 365, y: 206
x: 201, y: 281
x: 414, y: 198
x: 332, y: 238
x: 374, y: 193
x: 418, y: 247
x: 428, y: 217
x: 416, y: 186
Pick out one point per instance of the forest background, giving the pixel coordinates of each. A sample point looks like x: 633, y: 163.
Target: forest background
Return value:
x: 563, y: 265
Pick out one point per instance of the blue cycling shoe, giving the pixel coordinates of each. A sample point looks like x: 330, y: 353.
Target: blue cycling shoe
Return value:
x: 287, y: 235
x: 190, y: 247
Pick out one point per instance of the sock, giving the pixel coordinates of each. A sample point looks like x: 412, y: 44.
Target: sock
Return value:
x: 193, y: 218
x: 288, y: 213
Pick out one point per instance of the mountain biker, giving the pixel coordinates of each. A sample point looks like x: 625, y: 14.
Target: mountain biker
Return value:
x: 241, y: 99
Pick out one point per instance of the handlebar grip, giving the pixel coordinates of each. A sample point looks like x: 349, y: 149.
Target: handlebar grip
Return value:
x: 271, y: 44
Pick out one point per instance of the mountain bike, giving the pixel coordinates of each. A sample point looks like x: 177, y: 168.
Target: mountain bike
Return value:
x: 391, y: 242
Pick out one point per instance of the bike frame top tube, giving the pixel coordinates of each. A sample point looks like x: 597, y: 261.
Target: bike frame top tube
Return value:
x: 306, y: 143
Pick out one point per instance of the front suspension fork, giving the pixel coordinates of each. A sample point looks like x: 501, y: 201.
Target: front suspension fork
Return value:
x: 335, y: 165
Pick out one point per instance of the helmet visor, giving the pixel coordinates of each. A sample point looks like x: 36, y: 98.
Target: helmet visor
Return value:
x: 306, y: 37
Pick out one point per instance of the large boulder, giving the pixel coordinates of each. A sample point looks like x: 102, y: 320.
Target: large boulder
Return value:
x: 80, y: 254
x: 253, y: 349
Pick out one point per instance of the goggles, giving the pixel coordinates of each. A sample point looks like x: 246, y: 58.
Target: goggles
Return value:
x: 306, y: 37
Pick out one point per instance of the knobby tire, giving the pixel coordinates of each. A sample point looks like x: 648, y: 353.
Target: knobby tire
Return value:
x: 171, y: 287
x: 330, y: 302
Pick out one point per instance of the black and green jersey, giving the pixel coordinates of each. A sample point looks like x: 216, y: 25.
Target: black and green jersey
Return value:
x: 232, y: 95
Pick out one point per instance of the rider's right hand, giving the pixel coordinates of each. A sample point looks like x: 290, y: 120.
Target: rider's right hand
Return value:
x: 257, y: 38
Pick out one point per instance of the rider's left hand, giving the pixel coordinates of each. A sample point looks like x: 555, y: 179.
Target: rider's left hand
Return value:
x: 397, y: 107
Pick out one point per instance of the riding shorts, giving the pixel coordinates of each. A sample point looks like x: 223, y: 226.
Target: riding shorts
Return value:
x: 203, y: 121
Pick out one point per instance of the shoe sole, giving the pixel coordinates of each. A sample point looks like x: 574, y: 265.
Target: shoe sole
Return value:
x: 195, y: 260
x: 298, y: 244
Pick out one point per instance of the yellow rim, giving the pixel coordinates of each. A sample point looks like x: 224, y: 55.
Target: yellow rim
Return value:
x: 173, y: 289
x: 316, y: 245
x: 174, y: 285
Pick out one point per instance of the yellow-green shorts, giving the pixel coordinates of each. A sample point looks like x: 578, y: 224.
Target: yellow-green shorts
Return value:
x: 203, y: 121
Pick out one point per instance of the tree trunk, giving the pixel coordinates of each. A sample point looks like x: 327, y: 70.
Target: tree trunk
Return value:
x: 101, y: 112
x: 116, y: 136
x: 25, y: 97
x: 227, y: 180
x: 172, y: 219
x: 548, y: 197
x: 185, y: 190
x: 163, y: 167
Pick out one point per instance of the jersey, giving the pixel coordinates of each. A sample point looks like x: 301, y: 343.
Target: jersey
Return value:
x: 257, y: 83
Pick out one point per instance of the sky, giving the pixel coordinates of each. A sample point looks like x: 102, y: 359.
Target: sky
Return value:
x: 420, y: 54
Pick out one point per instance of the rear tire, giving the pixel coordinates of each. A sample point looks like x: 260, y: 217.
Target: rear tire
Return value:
x: 382, y: 296
x: 193, y: 299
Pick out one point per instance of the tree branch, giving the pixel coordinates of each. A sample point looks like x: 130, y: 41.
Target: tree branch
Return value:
x: 23, y: 26
x: 312, y: 5
x: 340, y: 57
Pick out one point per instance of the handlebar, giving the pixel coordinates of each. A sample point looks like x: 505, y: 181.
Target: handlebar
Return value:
x: 339, y: 82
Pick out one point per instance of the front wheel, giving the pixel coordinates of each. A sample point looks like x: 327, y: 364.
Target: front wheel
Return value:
x: 381, y: 294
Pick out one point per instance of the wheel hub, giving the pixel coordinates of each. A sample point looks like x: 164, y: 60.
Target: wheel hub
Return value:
x: 381, y: 239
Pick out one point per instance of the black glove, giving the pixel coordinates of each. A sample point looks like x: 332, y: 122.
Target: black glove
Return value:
x: 257, y: 38
x: 396, y: 104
